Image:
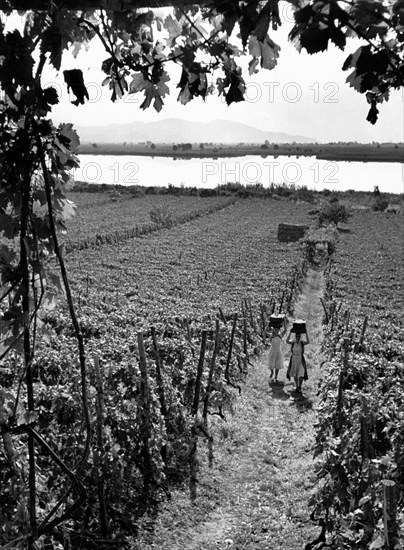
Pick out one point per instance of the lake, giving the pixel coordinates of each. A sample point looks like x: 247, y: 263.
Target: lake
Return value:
x: 196, y: 172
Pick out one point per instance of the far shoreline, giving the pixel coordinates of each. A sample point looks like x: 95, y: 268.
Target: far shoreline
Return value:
x: 355, y: 152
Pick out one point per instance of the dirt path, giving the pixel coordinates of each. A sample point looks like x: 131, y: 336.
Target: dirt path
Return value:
x: 256, y: 494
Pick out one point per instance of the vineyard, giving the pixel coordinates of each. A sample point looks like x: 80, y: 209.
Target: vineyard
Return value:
x: 110, y: 217
x: 360, y: 414
x: 173, y: 296
x: 170, y: 320
x: 121, y: 341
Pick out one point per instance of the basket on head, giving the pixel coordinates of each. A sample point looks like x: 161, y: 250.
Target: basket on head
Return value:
x: 276, y: 321
x: 299, y: 326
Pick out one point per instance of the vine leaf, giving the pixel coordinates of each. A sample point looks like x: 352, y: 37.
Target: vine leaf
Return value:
x: 377, y: 543
x: 75, y: 82
x: 56, y: 282
x: 156, y: 90
x: 66, y: 131
x: 17, y: 62
x: 373, y: 111
x: 139, y: 83
x: 52, y: 43
x: 174, y: 30
x: 193, y: 83
x: 265, y: 49
x: 10, y: 226
x: 64, y: 210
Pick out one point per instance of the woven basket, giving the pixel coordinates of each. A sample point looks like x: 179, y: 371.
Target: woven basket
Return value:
x: 276, y: 321
x: 299, y: 326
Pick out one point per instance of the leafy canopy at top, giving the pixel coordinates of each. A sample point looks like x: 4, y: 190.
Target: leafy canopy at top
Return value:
x: 140, y: 41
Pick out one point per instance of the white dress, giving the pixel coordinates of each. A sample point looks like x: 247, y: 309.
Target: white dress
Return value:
x: 297, y: 367
x: 275, y: 356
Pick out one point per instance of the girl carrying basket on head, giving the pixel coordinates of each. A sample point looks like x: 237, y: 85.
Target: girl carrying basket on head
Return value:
x: 275, y: 357
x: 297, y: 365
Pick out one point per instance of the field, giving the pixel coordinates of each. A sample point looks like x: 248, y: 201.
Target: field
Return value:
x: 215, y: 261
x: 385, y: 152
x: 173, y: 295
x: 218, y: 276
x: 109, y: 213
x: 360, y: 425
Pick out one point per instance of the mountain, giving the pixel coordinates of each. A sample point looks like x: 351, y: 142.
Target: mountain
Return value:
x: 174, y: 130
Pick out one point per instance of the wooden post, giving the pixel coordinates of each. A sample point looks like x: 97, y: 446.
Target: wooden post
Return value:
x: 189, y: 336
x: 325, y: 311
x: 245, y: 349
x: 199, y: 373
x: 362, y: 336
x: 281, y: 304
x: 207, y: 392
x: 339, y: 402
x: 263, y: 323
x: 160, y: 386
x: 252, y: 320
x: 340, y: 385
x: 99, y: 449
x: 233, y: 330
x: 159, y: 373
x: 347, y: 319
x: 188, y: 328
x: 367, y: 450
x: 145, y: 414
x: 193, y: 452
x: 359, y: 344
x: 222, y: 315
x: 210, y: 375
x: 390, y: 513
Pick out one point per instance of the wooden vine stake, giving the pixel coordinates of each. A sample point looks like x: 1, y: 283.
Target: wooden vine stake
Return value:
x: 367, y: 450
x: 160, y: 387
x: 325, y: 311
x: 146, y: 422
x: 222, y: 315
x: 359, y: 343
x: 281, y: 304
x: 99, y: 448
x: 193, y: 453
x: 390, y: 513
x: 207, y: 393
x: 340, y: 385
x: 233, y: 330
x: 245, y: 349
x: 252, y: 320
x: 347, y: 319
x: 263, y: 322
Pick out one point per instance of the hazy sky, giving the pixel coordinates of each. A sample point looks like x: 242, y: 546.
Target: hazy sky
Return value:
x: 304, y: 95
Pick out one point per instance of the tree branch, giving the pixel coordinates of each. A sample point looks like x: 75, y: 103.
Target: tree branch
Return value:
x: 78, y: 334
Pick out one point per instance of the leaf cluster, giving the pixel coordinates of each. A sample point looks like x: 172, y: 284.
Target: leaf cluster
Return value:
x: 206, y: 40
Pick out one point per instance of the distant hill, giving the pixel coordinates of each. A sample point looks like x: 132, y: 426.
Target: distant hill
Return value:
x: 174, y: 130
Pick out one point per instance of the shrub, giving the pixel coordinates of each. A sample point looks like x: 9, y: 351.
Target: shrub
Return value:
x: 285, y: 190
x: 305, y: 194
x: 205, y: 192
x: 333, y: 213
x: 161, y: 216
x: 380, y: 204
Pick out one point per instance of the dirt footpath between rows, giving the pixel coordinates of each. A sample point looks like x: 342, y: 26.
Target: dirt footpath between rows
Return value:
x: 256, y: 495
